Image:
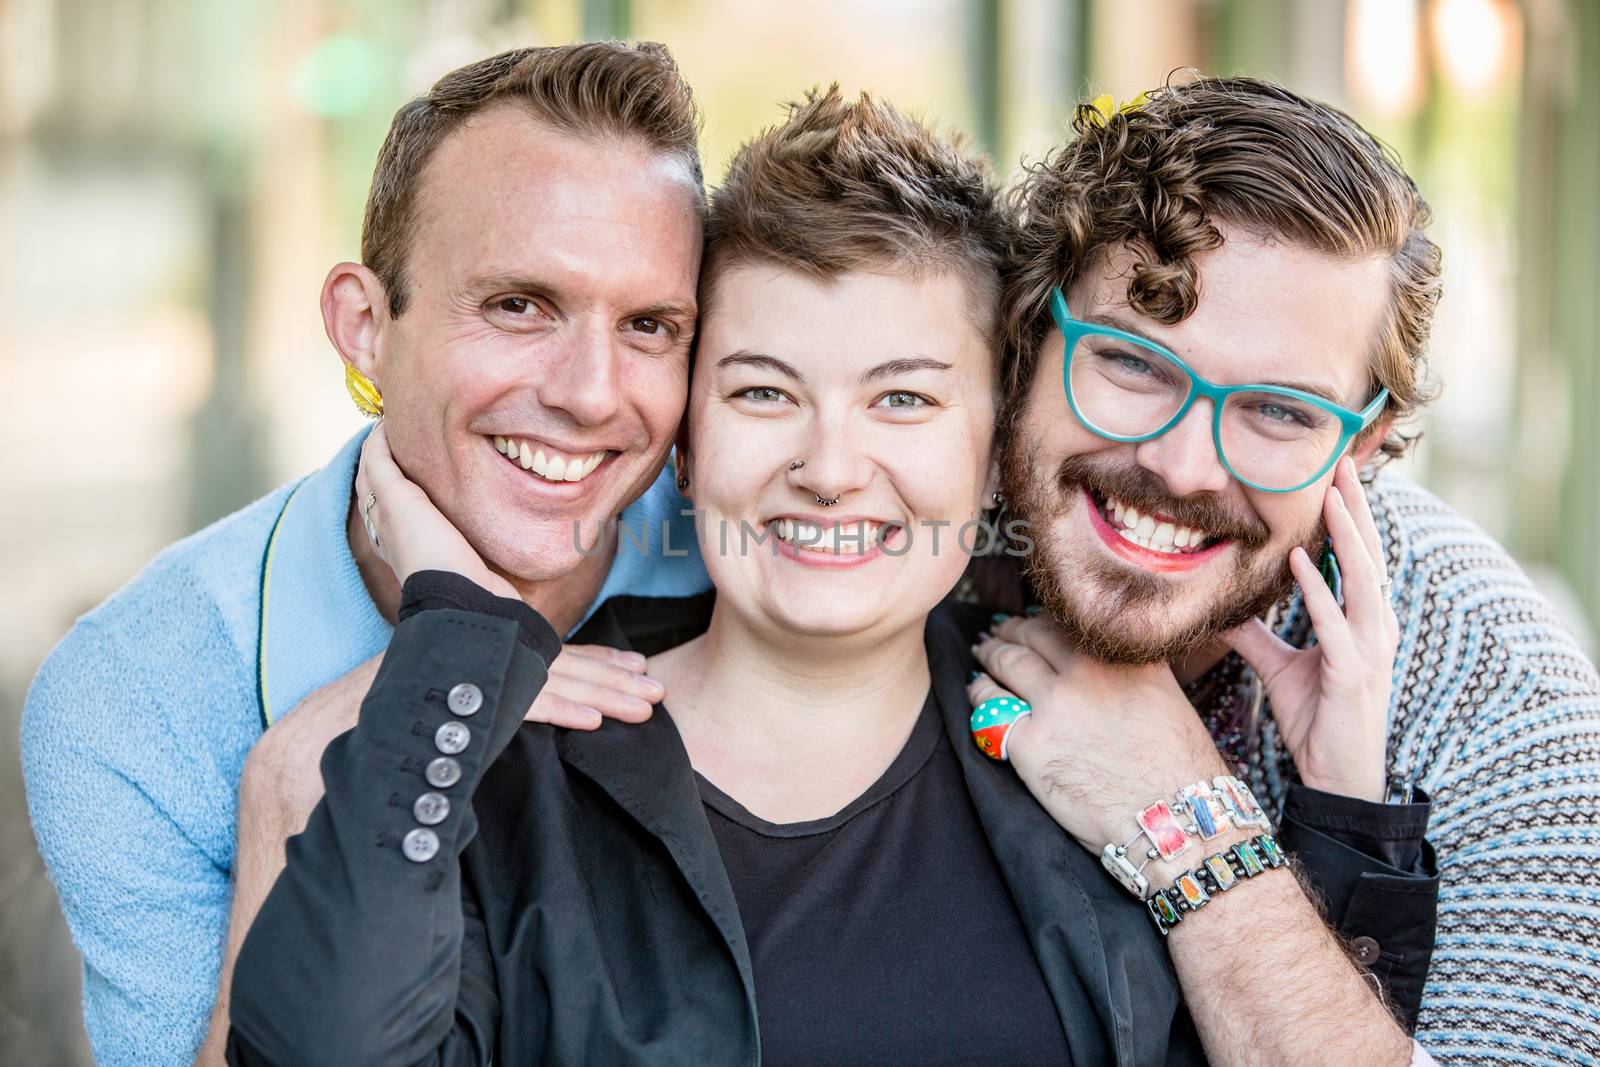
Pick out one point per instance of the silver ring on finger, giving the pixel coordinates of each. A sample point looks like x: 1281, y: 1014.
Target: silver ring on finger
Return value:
x: 1385, y: 586
x: 367, y: 520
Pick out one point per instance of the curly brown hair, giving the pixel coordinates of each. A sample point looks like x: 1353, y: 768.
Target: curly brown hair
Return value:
x: 1161, y: 176
x: 843, y: 185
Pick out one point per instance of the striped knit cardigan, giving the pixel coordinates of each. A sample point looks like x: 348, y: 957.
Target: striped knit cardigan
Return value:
x: 1496, y: 713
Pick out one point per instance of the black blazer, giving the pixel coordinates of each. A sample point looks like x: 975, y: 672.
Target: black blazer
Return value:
x: 590, y: 919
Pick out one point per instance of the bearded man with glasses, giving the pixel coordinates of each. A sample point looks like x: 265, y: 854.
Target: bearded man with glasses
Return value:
x: 1217, y: 324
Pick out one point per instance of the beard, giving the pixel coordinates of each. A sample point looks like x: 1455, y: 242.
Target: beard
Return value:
x: 1116, y: 612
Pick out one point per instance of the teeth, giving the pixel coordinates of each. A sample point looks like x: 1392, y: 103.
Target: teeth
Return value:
x: 1146, y: 532
x: 837, y: 538
x: 554, y: 468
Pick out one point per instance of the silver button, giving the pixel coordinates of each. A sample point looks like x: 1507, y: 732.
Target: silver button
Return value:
x: 465, y: 699
x: 431, y: 809
x: 451, y: 738
x: 443, y: 772
x: 420, y: 846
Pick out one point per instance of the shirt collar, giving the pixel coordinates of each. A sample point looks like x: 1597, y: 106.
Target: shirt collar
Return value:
x: 317, y: 618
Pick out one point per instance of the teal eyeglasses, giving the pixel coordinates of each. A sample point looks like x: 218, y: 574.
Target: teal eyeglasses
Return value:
x: 1270, y: 437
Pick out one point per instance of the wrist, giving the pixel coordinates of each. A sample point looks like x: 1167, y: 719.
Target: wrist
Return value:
x: 1176, y: 835
x: 1369, y: 787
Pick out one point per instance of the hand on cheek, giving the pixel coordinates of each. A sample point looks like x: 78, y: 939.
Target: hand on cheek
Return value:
x: 1330, y: 700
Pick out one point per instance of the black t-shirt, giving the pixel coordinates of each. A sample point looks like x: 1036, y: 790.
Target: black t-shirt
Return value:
x: 885, y: 934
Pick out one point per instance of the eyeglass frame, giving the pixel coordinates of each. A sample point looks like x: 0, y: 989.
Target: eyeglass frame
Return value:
x: 1074, y: 330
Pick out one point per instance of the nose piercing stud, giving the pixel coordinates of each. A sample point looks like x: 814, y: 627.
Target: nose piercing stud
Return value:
x: 797, y: 464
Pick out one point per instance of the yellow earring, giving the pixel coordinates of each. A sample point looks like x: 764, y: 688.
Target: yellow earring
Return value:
x: 368, y: 400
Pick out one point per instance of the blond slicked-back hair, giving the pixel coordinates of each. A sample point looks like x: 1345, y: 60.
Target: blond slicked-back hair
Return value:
x: 1161, y: 176
x: 844, y: 185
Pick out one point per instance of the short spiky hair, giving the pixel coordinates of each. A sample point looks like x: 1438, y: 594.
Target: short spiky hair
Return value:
x: 598, y: 89
x: 1239, y: 151
x: 844, y: 185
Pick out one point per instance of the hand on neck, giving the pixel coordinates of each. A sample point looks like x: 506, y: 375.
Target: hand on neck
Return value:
x: 562, y: 601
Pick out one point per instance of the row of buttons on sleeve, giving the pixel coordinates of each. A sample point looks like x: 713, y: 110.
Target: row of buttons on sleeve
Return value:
x: 432, y: 808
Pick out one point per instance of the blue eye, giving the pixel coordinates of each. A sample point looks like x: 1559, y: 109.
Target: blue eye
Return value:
x: 903, y: 400
x: 1284, y: 413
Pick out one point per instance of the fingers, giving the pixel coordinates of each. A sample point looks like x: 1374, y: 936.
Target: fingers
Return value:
x: 1265, y: 652
x: 553, y: 708
x: 590, y: 683
x: 605, y: 680
x: 1016, y: 666
x: 982, y: 687
x: 1038, y: 634
x: 1349, y: 484
x: 1366, y: 607
x: 620, y: 657
x: 1333, y: 630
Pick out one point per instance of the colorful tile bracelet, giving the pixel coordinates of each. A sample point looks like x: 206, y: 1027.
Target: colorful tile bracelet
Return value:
x: 1202, y: 810
x: 1193, y: 890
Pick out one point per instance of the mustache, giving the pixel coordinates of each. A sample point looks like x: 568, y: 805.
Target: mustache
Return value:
x: 1138, y: 487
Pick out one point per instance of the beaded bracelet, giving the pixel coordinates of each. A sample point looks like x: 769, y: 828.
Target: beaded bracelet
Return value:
x: 1193, y: 890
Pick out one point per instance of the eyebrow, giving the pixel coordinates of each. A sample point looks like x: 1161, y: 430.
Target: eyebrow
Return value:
x: 888, y: 369
x: 760, y: 361
x: 1313, y: 388
x: 908, y: 365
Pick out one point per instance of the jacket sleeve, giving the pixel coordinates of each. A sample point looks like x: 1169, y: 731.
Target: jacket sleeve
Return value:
x: 366, y: 950
x: 1378, y: 880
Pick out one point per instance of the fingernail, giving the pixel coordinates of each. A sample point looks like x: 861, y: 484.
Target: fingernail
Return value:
x: 653, y: 683
x: 631, y: 659
x: 972, y: 676
x: 635, y: 704
x: 1034, y: 611
x: 998, y: 617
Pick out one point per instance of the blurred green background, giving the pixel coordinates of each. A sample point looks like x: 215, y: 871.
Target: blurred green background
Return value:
x: 176, y: 178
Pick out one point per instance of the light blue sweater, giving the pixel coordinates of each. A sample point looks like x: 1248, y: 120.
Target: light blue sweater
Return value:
x: 136, y: 729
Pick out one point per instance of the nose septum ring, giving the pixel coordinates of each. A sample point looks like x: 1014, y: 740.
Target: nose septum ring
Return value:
x: 796, y: 465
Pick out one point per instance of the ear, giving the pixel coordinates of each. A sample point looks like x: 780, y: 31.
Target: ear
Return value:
x: 1376, y: 434
x: 680, y: 453
x: 355, y: 310
x: 991, y: 484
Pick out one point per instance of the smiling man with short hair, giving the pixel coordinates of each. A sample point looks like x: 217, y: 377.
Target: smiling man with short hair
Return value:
x: 1223, y: 291
x: 522, y: 317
